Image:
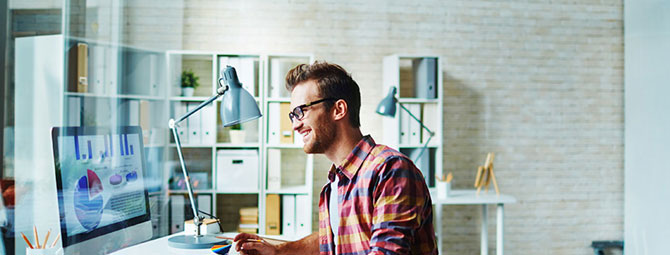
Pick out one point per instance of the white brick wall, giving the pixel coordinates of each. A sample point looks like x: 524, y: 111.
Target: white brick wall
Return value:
x: 538, y: 82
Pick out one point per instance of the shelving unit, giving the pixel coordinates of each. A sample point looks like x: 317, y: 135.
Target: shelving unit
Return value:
x: 418, y: 80
x: 263, y: 77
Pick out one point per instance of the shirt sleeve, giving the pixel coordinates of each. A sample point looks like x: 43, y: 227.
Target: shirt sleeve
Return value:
x: 400, y: 196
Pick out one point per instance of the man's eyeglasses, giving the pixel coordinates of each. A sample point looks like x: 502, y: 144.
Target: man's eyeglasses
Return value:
x: 298, y: 112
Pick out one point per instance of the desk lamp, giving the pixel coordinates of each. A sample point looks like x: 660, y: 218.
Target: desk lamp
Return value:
x: 237, y: 106
x: 387, y: 108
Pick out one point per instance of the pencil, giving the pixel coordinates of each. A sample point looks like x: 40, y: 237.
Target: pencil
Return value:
x: 37, y: 238
x: 54, y: 243
x: 28, y: 242
x: 45, y: 239
x: 231, y: 239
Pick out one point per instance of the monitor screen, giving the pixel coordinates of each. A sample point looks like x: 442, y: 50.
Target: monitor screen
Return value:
x: 100, y: 181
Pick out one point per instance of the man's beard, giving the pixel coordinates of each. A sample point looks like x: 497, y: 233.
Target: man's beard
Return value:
x: 322, y: 136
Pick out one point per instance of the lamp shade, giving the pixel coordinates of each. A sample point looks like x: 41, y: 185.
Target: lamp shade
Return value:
x: 387, y: 106
x: 237, y: 105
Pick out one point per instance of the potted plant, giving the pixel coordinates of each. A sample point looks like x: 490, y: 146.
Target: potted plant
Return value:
x: 189, y: 81
x: 236, y: 134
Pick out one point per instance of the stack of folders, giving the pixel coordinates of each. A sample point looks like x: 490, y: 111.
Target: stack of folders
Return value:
x: 198, y: 128
x: 248, y: 220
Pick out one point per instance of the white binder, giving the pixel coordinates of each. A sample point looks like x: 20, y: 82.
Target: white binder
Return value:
x: 205, y: 203
x: 414, y: 128
x: 273, y: 123
x: 274, y: 169
x: 288, y: 215
x: 208, y: 129
x: 303, y: 215
x: 405, y: 120
x: 194, y: 124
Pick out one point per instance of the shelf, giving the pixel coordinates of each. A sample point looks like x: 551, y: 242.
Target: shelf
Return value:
x: 284, y: 146
x: 183, y: 191
x: 430, y: 146
x: 278, y: 100
x: 94, y: 95
x: 236, y: 192
x: 237, y: 145
x: 188, y: 99
x: 418, y: 100
x: 204, y: 146
x: 302, y: 190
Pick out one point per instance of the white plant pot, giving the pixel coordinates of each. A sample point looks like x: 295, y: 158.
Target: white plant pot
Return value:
x: 236, y: 136
x: 187, y: 91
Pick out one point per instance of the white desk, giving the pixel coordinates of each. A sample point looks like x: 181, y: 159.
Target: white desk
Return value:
x: 160, y: 246
x: 470, y: 197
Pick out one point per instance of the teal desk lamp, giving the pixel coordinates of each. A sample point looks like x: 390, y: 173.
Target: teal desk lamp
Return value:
x: 237, y: 106
x: 387, y: 108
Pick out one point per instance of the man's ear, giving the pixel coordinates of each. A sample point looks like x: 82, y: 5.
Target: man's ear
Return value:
x: 340, y: 109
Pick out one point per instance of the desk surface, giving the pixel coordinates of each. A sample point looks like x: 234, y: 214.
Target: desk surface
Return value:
x: 160, y: 246
x: 470, y: 197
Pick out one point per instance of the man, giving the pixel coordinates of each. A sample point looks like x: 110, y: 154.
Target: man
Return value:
x: 377, y: 201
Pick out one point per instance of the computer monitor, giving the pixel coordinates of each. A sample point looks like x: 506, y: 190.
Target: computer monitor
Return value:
x: 102, y: 198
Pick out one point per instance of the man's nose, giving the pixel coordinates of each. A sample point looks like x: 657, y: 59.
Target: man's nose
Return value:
x: 296, y: 124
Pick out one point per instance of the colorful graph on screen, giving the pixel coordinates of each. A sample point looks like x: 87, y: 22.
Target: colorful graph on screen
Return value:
x: 88, y: 201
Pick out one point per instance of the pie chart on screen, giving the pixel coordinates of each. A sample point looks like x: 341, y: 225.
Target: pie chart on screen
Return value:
x: 88, y: 200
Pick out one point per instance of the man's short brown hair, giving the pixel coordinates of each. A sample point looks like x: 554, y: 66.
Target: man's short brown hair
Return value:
x: 332, y: 82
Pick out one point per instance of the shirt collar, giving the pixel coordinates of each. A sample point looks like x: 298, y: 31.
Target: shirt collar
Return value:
x: 350, y: 165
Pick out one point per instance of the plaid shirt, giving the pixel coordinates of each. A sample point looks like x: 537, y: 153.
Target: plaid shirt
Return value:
x: 384, y: 205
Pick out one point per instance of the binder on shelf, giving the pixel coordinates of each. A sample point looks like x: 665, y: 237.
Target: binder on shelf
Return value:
x: 303, y: 215
x: 276, y: 78
x: 180, y: 110
x: 133, y: 113
x: 272, y: 214
x: 425, y: 77
x: 177, y: 217
x: 273, y: 123
x: 74, y: 111
x: 246, y: 73
x: 429, y: 120
x: 236, y: 170
x: 285, y: 125
x: 96, y: 69
x: 208, y: 129
x: 414, y: 127
x: 404, y: 120
x: 288, y: 215
x: 274, y: 169
x: 111, y: 70
x: 78, y: 68
x: 194, y: 124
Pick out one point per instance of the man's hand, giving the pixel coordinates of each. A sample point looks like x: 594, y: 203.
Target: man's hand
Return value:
x: 250, y: 244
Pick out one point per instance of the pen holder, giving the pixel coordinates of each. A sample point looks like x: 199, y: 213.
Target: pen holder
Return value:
x: 443, y: 189
x: 47, y: 251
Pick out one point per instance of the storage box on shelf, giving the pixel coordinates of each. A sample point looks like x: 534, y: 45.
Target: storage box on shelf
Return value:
x: 239, y: 164
x: 418, y: 80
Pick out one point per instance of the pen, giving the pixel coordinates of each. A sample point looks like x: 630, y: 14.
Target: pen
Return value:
x: 45, y: 239
x: 37, y: 239
x: 54, y: 243
x: 28, y: 242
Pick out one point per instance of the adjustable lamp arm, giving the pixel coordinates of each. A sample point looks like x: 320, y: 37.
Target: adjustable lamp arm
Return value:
x: 174, y: 125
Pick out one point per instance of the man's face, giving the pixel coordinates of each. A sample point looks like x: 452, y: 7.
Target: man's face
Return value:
x: 316, y: 126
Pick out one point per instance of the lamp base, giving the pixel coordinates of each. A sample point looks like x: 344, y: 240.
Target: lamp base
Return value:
x: 195, y: 242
